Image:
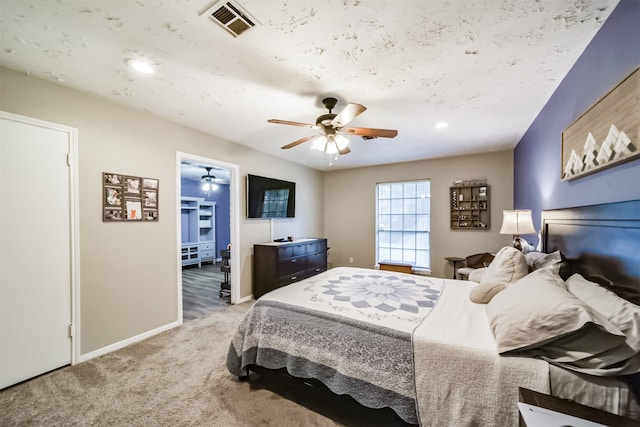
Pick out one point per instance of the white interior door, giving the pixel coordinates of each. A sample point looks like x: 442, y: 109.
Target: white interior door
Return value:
x: 36, y: 242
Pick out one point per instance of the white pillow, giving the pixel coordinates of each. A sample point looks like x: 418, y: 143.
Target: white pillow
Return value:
x: 538, y: 310
x: 620, y: 312
x: 476, y: 274
x: 508, y: 266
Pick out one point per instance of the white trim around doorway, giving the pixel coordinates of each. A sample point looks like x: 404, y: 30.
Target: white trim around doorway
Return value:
x: 234, y: 204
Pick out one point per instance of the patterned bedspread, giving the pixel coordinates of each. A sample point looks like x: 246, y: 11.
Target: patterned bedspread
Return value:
x: 350, y: 328
x: 413, y: 343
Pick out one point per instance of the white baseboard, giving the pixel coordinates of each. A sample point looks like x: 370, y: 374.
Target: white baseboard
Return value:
x: 128, y: 341
x: 245, y: 299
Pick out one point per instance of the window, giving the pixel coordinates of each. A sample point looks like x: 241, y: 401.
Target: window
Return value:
x: 403, y: 222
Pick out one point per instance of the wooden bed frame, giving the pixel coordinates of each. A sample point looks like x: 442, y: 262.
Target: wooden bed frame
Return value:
x: 601, y: 242
x: 606, y: 235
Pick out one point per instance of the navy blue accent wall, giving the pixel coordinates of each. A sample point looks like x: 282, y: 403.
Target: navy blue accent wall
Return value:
x: 222, y: 198
x: 612, y: 55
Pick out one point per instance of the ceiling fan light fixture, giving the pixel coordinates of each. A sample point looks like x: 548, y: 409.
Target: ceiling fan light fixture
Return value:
x: 209, y: 186
x: 319, y: 143
x: 342, y: 142
x: 208, y: 182
x: 332, y: 147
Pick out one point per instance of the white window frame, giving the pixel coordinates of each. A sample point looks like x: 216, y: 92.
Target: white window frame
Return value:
x: 403, y: 223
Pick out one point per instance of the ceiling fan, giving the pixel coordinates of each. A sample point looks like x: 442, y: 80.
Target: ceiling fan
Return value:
x: 210, y: 182
x: 330, y: 140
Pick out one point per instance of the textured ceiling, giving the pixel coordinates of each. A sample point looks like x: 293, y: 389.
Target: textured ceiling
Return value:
x: 485, y: 66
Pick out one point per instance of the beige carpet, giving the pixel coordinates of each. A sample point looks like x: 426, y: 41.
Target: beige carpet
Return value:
x: 177, y: 378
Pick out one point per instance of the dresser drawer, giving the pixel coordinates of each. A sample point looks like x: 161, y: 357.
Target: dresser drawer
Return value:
x: 317, y: 262
x: 287, y: 280
x: 312, y: 247
x: 209, y: 246
x: 285, y: 252
x: 290, y: 251
x: 311, y: 271
x: 207, y: 254
x: 292, y: 265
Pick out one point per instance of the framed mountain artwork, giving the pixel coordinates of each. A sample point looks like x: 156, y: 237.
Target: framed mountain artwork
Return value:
x: 607, y: 134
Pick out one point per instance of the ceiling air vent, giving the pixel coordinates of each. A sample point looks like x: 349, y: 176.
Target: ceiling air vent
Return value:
x: 231, y: 17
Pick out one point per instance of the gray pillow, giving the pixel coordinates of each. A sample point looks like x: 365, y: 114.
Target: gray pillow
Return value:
x: 622, y: 313
x: 538, y: 260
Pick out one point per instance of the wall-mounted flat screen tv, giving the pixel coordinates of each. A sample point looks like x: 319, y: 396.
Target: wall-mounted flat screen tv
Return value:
x: 270, y: 198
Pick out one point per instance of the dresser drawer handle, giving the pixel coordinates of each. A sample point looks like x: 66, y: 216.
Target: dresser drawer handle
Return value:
x: 317, y: 269
x: 293, y: 260
x: 294, y: 278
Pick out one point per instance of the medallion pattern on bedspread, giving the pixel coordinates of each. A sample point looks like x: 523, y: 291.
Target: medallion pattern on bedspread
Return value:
x: 386, y: 293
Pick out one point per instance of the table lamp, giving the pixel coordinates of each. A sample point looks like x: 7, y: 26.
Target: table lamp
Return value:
x: 517, y: 222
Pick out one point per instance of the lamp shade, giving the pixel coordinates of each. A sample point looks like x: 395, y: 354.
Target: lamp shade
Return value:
x: 330, y: 144
x: 517, y: 222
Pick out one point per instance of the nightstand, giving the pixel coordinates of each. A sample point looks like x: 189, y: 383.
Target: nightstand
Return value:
x: 572, y: 408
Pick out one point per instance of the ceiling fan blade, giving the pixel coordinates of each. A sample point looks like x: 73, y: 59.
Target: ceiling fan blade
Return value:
x: 384, y: 133
x: 287, y: 122
x: 350, y: 112
x: 298, y: 142
x: 345, y: 150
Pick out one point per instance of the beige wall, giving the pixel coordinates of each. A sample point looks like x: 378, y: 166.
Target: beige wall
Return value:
x: 129, y: 271
x: 349, y: 200
x: 128, y: 283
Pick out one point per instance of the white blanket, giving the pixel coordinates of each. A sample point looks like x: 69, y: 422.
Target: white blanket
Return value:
x: 460, y: 378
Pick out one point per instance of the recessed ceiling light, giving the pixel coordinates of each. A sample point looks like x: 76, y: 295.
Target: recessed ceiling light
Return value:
x: 442, y: 125
x: 141, y: 66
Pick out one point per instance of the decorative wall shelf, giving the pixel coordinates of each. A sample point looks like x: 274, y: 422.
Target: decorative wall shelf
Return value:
x: 469, y: 206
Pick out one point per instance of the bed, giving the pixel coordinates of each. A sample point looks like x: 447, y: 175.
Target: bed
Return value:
x: 421, y: 347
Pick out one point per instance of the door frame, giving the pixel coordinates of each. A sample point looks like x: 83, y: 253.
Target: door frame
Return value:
x: 74, y: 222
x: 234, y: 218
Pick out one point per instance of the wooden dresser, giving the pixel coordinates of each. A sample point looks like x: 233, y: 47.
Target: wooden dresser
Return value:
x: 278, y: 264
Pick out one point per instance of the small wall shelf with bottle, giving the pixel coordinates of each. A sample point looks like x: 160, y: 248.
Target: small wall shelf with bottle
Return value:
x: 469, y: 202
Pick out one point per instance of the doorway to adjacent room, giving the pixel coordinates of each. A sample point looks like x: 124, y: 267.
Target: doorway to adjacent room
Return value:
x: 207, y: 192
